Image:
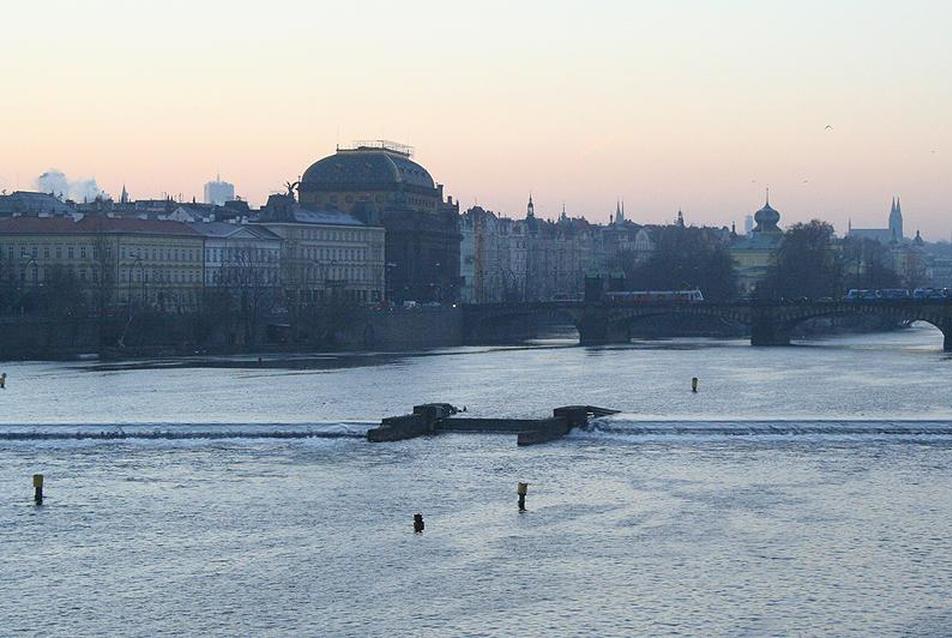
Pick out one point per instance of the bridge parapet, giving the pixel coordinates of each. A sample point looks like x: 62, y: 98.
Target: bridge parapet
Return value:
x: 771, y: 323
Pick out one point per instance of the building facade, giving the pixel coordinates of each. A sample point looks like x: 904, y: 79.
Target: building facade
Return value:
x: 754, y: 252
x: 239, y: 256
x: 534, y: 259
x: 116, y: 261
x: 324, y: 253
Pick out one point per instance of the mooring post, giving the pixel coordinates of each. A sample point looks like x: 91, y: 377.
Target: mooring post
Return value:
x: 38, y: 489
x: 693, y: 384
x: 3, y: 381
x: 521, y: 490
x: 418, y: 523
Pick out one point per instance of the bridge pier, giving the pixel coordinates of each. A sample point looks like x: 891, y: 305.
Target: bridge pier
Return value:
x: 597, y: 331
x: 765, y: 331
x: 946, y: 329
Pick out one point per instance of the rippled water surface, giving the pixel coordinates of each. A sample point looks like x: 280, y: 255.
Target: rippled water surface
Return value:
x: 802, y: 491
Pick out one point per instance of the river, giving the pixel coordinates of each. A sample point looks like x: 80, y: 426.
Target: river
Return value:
x: 801, y: 491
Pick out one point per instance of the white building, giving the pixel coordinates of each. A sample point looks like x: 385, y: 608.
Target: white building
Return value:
x: 218, y: 192
x: 239, y: 256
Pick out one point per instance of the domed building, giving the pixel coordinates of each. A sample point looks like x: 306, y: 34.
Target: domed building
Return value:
x: 379, y: 184
x: 766, y: 220
x: 754, y: 252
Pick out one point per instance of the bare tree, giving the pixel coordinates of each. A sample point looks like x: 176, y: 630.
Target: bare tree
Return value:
x: 250, y: 274
x: 8, y: 283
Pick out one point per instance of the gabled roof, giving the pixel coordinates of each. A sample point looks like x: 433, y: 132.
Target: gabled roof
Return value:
x: 224, y: 230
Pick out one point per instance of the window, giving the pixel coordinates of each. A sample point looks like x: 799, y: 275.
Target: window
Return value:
x: 82, y: 252
x: 69, y: 252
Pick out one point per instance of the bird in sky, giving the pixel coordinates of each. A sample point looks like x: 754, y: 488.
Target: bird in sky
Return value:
x: 829, y: 127
x: 805, y: 181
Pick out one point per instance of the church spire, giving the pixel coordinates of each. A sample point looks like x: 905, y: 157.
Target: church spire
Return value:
x: 530, y: 208
x: 895, y: 220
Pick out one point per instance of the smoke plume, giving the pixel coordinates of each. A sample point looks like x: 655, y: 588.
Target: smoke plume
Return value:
x: 80, y: 190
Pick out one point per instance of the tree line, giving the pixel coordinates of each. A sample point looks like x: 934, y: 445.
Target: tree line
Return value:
x: 810, y: 261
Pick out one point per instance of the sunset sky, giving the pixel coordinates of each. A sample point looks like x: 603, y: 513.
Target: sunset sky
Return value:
x: 692, y: 105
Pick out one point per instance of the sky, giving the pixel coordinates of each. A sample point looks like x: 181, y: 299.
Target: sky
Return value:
x: 670, y: 105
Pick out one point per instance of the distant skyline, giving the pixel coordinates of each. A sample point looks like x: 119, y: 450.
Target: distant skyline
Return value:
x: 697, y: 106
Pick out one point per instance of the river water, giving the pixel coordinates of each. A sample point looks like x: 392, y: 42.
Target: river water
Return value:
x: 801, y: 491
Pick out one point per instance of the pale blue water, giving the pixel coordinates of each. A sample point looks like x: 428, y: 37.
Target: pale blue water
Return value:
x: 803, y: 491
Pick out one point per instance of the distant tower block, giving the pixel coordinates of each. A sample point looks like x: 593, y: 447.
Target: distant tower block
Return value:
x: 218, y: 192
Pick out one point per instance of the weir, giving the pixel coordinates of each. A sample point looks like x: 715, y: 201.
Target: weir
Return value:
x: 434, y: 418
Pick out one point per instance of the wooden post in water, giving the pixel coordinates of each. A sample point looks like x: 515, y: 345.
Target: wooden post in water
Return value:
x: 521, y: 490
x: 418, y: 523
x: 38, y: 489
x: 693, y: 384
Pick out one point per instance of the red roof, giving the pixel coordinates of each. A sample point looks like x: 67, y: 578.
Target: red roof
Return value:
x: 92, y: 225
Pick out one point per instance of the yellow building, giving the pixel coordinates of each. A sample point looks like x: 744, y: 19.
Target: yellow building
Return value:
x: 325, y: 253
x: 754, y: 253
x: 113, y: 260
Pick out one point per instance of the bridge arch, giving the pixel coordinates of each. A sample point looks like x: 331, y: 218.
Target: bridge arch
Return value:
x: 694, y: 319
x: 909, y: 313
x: 771, y: 323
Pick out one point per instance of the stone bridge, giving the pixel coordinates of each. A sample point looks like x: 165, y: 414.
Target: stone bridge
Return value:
x: 770, y: 323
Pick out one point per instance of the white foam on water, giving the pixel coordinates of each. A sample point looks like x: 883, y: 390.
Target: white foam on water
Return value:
x: 628, y: 426
x: 101, y: 432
